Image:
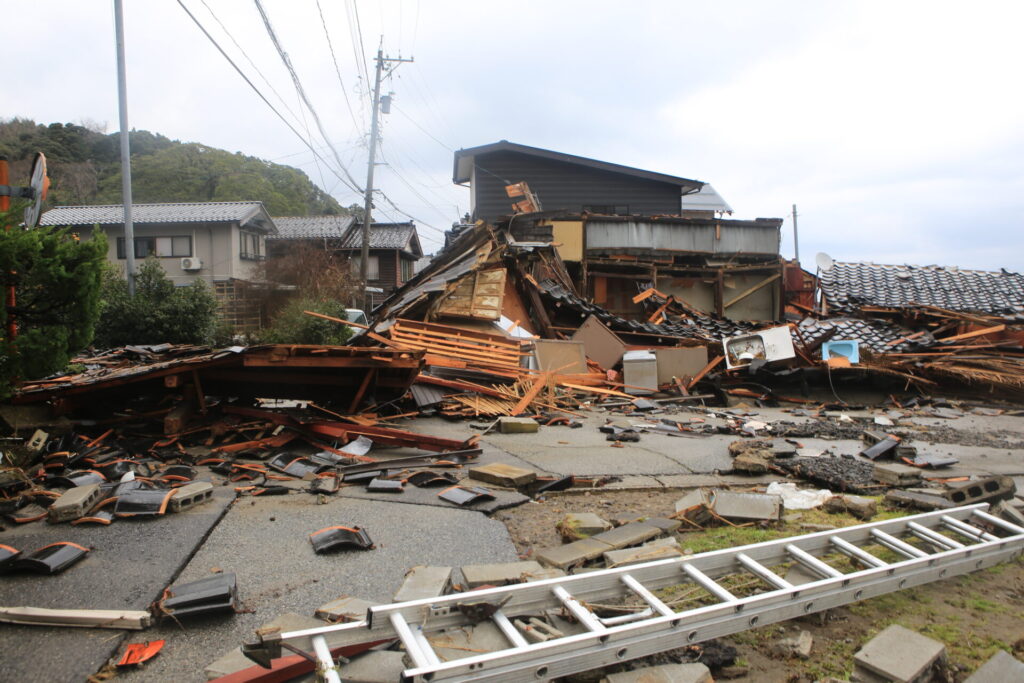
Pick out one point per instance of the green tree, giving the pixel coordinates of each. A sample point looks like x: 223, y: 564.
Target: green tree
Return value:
x: 56, y: 276
x: 292, y: 326
x: 158, y: 313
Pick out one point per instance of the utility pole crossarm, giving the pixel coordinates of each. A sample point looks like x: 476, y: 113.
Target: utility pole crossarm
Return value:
x: 384, y: 65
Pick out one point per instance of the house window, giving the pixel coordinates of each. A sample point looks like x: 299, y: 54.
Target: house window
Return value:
x: 162, y: 247
x: 407, y: 269
x: 608, y: 209
x: 250, y: 246
x: 373, y: 268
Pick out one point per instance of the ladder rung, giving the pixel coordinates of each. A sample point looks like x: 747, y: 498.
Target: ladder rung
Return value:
x: 1002, y: 523
x: 585, y: 616
x: 417, y: 652
x: 649, y: 597
x: 707, y: 584
x: 926, y: 534
x: 760, y: 570
x: 896, y: 545
x: 510, y: 631
x: 964, y: 529
x: 864, y: 556
x: 812, y: 562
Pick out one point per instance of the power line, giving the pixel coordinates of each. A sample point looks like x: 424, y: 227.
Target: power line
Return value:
x: 337, y: 70
x: 425, y: 131
x: 260, y: 94
x: 248, y: 58
x: 302, y: 92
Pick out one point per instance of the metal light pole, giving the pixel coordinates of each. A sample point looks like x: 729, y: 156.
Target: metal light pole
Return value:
x: 126, y: 162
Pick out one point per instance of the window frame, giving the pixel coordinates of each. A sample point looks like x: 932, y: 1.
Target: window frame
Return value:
x: 150, y: 246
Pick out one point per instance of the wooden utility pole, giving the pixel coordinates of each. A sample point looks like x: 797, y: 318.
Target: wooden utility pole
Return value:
x: 384, y: 67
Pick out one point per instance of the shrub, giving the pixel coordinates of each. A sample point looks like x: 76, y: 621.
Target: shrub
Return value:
x: 292, y: 326
x: 158, y: 313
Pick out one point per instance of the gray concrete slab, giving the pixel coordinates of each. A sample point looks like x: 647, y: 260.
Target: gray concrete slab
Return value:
x: 130, y: 564
x: 279, y: 572
x: 899, y: 654
x: 1002, y: 666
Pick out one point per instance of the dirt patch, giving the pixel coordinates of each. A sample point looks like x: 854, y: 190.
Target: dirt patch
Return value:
x: 974, y: 615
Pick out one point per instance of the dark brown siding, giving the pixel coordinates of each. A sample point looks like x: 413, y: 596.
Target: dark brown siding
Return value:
x: 560, y: 185
x: 387, y: 263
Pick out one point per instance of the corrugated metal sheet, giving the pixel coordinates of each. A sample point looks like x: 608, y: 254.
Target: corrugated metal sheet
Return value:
x: 668, y: 236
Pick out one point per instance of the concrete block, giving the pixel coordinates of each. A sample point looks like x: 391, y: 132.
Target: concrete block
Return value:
x: 375, y: 666
x: 345, y: 609
x: 858, y: 506
x: 666, y: 525
x: 74, y: 503
x: 917, y: 500
x: 747, y: 506
x: 577, y: 525
x: 987, y: 490
x: 798, y: 575
x: 895, y: 474
x: 424, y: 582
x: 191, y: 495
x: 1001, y: 667
x: 503, y: 475
x: 899, y: 654
x: 1008, y: 513
x: 665, y: 673
x: 505, y: 573
x: 655, y: 550
x: 627, y: 535
x: 572, y: 554
x: 517, y: 425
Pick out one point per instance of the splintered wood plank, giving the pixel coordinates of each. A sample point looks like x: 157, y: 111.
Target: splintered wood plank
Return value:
x: 525, y: 401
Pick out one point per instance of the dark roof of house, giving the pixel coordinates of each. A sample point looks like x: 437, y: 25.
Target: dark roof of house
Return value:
x: 848, y: 286
x: 312, y: 227
x: 465, y: 159
x: 244, y: 213
x: 385, y: 236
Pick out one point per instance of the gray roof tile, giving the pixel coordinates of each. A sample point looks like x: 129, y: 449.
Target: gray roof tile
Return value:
x: 185, y: 212
x: 311, y: 227
x: 848, y: 286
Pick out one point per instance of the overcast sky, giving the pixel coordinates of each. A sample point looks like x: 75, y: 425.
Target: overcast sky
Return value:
x: 896, y: 127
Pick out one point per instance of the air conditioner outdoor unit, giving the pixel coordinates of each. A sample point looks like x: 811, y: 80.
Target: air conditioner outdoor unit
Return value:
x: 191, y: 264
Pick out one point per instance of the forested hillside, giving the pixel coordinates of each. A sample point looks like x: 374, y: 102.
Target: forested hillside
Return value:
x: 85, y: 168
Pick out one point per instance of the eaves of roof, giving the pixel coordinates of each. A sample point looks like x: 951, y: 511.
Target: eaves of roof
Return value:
x: 464, y: 160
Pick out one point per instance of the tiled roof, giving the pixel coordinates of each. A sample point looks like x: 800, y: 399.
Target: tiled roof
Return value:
x: 873, y: 334
x: 382, y: 236
x: 311, y: 227
x: 848, y: 286
x: 186, y: 212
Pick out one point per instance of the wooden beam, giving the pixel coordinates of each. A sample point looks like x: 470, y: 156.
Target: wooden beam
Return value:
x: 707, y: 368
x: 976, y: 333
x: 361, y: 391
x: 763, y: 283
x: 86, y: 618
x: 531, y: 394
x: 336, y: 320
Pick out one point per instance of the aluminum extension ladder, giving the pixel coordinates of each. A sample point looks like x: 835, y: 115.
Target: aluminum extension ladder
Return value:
x: 928, y: 547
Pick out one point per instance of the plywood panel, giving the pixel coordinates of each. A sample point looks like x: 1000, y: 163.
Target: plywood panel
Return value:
x: 563, y: 357
x: 601, y: 344
x: 477, y: 295
x: 569, y: 236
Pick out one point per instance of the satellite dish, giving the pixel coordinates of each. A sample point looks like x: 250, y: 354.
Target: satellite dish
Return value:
x: 824, y: 262
x: 39, y: 183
